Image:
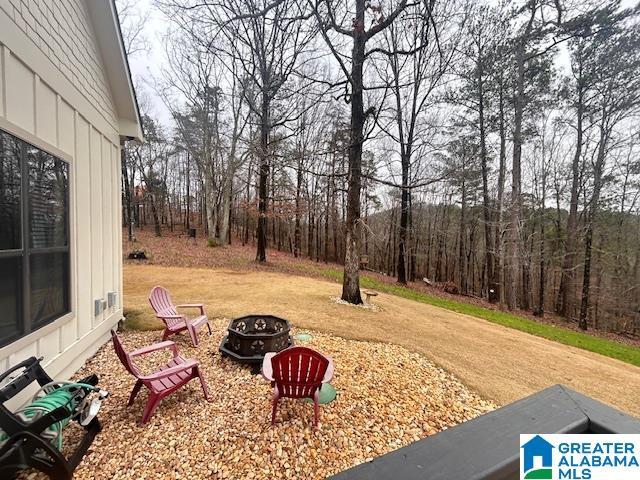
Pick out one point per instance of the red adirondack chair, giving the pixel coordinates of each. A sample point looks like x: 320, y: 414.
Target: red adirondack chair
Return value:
x: 165, y: 380
x: 175, y: 322
x: 297, y: 372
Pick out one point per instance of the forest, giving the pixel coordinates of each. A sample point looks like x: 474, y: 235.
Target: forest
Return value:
x: 489, y: 146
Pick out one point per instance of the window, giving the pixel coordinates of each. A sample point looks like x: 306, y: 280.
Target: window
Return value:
x: 34, y: 238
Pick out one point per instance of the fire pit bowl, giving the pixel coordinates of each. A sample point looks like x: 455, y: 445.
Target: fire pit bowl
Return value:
x: 250, y: 337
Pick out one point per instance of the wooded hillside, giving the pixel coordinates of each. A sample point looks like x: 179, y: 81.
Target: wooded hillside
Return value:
x: 491, y: 146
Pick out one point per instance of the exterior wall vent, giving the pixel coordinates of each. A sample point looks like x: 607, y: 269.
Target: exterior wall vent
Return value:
x: 112, y: 299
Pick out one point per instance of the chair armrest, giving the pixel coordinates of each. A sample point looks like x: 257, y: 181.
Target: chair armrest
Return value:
x: 154, y: 347
x: 267, y: 366
x: 188, y: 364
x: 328, y: 375
x: 168, y: 316
x: 193, y: 305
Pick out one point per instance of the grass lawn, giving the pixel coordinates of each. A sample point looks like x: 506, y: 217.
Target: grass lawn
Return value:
x: 625, y: 353
x: 174, y: 251
x: 501, y: 363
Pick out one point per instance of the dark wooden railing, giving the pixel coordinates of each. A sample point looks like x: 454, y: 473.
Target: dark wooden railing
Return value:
x: 488, y: 447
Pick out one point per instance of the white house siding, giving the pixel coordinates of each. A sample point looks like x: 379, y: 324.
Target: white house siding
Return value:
x: 54, y: 94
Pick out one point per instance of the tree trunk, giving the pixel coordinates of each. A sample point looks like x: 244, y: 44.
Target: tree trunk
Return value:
x: 461, y: 240
x: 156, y: 218
x: 223, y: 232
x: 127, y: 191
x: 497, y: 279
x: 514, y: 249
x: 540, y: 310
x: 188, y: 180
x: 210, y: 209
x: 414, y: 248
x: 245, y: 237
x: 566, y: 295
x: 351, y: 278
x: 261, y: 232
x: 593, y: 209
x: 326, y: 221
x: 404, y: 221
x: 586, y: 277
x: 493, y: 291
x: 298, y: 230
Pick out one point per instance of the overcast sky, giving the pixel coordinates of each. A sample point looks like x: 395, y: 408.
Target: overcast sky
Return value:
x: 145, y: 66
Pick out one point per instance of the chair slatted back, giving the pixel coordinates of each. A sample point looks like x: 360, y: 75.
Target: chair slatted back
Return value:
x: 124, y: 356
x: 298, y: 371
x: 161, y: 303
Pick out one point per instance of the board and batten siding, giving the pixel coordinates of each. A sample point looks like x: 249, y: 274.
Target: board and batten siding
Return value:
x: 55, y: 95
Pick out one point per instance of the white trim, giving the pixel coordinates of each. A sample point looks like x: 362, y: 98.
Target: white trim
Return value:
x: 58, y: 100
x: 68, y: 361
x: 116, y: 66
x: 76, y: 303
x: 72, y: 358
x: 35, y: 335
x: 71, y: 234
x: 36, y: 103
x: 38, y: 142
x: 4, y: 53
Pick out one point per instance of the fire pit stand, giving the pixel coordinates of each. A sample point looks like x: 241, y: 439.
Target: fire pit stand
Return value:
x: 250, y: 337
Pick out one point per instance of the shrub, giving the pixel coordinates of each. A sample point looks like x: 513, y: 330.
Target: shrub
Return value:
x: 451, y: 288
x: 213, y: 242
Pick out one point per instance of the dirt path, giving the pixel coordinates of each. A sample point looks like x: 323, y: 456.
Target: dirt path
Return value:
x: 500, y: 363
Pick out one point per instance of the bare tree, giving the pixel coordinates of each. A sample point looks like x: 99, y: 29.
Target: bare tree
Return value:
x: 132, y: 23
x: 150, y: 157
x: 485, y: 42
x: 617, y: 87
x: 266, y: 39
x: 331, y: 21
x: 584, y: 49
x: 419, y: 57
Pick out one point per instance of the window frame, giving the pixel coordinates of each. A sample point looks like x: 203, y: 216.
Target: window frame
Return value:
x: 26, y: 324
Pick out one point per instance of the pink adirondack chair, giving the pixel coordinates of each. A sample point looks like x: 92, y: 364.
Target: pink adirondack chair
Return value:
x: 297, y: 372
x: 162, y: 382
x: 175, y: 322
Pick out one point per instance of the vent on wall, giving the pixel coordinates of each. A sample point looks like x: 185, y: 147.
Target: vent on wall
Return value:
x: 98, y: 306
x: 112, y: 299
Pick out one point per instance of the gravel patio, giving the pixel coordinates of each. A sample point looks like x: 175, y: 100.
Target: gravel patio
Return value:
x: 387, y: 398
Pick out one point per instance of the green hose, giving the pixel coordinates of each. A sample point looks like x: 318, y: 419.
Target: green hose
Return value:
x: 40, y: 406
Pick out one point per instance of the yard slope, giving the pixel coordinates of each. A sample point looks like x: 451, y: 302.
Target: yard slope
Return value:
x: 499, y: 362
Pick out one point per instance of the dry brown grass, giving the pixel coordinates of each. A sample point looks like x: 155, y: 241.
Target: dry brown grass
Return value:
x: 500, y: 363
x: 174, y: 249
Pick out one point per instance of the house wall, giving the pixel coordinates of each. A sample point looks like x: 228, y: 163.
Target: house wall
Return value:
x: 54, y: 94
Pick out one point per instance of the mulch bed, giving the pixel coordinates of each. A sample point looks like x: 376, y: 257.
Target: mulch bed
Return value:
x: 387, y: 397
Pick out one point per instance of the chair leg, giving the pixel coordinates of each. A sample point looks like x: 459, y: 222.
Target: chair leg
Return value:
x: 316, y: 409
x: 166, y: 334
x: 205, y: 389
x: 209, y: 327
x: 134, y: 392
x: 273, y: 410
x: 150, y: 407
x: 193, y: 334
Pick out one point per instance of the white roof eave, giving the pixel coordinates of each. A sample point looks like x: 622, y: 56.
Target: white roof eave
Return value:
x: 106, y: 25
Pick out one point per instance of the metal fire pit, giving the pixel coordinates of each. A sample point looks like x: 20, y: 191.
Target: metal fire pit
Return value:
x: 250, y: 337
